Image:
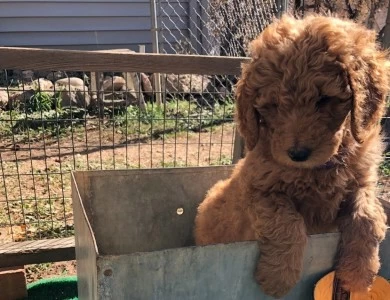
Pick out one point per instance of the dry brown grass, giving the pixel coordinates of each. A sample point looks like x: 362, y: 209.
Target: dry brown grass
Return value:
x: 37, y: 203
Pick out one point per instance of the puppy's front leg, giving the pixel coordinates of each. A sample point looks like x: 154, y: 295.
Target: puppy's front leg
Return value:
x: 362, y: 227
x: 282, y: 237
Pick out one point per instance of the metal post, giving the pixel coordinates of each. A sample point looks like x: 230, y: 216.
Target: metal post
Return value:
x: 282, y: 7
x: 153, y: 13
x: 238, y: 148
x: 386, y: 33
x: 142, y: 104
x: 155, y: 43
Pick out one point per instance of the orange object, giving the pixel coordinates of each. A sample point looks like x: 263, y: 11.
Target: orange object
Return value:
x: 326, y: 289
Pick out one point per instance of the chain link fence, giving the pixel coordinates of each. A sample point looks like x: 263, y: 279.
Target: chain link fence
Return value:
x: 371, y: 14
x: 215, y: 27
x: 211, y: 27
x: 225, y: 27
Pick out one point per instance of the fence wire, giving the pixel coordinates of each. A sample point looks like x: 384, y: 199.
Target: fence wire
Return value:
x: 50, y: 127
x: 55, y: 122
x: 371, y: 14
x: 225, y: 27
x: 215, y: 27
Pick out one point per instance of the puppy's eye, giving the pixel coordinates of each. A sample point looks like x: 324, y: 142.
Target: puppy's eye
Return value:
x: 271, y: 106
x: 323, y: 100
x: 262, y: 121
x: 266, y: 110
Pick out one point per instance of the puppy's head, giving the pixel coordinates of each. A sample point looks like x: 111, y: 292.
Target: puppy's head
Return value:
x: 309, y: 85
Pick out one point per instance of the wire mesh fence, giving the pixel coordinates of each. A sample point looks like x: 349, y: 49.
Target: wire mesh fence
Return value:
x: 49, y: 127
x: 372, y: 14
x: 54, y: 122
x: 216, y: 27
x: 225, y: 27
x: 213, y: 27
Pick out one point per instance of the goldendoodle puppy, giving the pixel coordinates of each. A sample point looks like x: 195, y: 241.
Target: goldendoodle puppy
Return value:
x: 308, y: 107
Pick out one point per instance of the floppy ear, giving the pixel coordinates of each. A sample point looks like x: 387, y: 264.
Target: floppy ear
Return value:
x: 247, y: 117
x: 368, y: 80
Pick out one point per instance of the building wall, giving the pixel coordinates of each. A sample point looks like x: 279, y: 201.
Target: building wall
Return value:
x: 86, y: 24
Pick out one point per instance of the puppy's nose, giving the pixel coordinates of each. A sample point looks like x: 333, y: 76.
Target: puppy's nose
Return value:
x: 299, y: 154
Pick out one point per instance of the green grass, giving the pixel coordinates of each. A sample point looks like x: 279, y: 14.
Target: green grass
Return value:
x: 175, y: 116
x: 222, y: 161
x: 385, y: 166
x: 175, y: 164
x: 32, y: 126
x: 40, y: 101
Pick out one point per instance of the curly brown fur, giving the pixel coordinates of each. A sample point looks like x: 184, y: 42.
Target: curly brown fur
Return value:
x: 318, y: 83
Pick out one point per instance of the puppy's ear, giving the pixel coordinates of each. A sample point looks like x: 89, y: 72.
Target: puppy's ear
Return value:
x: 368, y: 79
x: 247, y: 117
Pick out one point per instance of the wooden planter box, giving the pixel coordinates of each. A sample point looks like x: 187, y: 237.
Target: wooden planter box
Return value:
x: 134, y: 240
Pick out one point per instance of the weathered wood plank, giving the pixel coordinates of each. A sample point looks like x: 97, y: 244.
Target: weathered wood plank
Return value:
x: 34, y: 252
x: 73, y: 60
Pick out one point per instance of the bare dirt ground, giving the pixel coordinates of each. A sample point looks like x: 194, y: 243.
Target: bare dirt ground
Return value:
x: 48, y: 270
x: 35, y: 189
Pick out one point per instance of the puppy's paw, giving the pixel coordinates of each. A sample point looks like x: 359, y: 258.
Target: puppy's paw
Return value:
x: 356, y: 282
x: 357, y: 275
x: 276, y: 281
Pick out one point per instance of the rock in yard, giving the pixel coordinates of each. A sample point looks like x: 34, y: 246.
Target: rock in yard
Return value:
x: 74, y: 96
x: 74, y: 81
x: 20, y: 97
x: 115, y: 83
x: 43, y: 84
x: 147, y: 87
x: 185, y: 83
x: 134, y: 95
x: 3, y: 98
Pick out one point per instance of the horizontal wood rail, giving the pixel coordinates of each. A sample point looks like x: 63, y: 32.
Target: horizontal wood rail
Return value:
x: 35, y: 252
x: 95, y: 61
